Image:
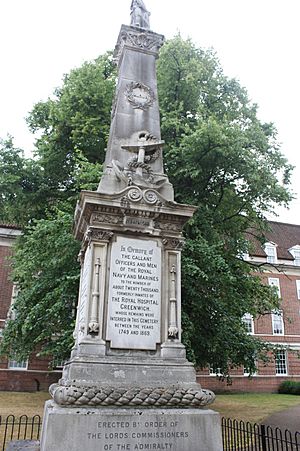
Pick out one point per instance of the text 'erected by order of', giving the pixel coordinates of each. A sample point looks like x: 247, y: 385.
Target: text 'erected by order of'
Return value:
x: 139, y: 435
x: 134, y: 294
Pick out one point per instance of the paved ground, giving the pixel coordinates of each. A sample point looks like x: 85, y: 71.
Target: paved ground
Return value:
x: 286, y: 419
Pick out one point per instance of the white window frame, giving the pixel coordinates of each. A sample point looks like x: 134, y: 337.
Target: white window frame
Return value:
x: 247, y: 373
x: 214, y: 371
x: 298, y: 289
x: 281, y: 369
x: 274, y: 282
x: 60, y: 363
x: 273, y: 248
x: 247, y: 320
x: 18, y: 366
x: 276, y: 314
x: 295, y: 251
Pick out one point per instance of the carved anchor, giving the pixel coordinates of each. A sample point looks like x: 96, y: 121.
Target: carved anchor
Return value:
x: 138, y: 171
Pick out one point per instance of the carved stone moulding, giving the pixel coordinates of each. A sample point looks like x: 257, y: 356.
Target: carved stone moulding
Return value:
x: 91, y: 395
x: 110, y: 211
x: 135, y: 38
x: 105, y: 218
x: 94, y: 234
x: 170, y: 226
x: 173, y: 243
x: 139, y: 96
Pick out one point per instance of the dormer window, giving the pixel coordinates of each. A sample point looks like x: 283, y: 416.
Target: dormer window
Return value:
x: 271, y: 251
x: 295, y: 251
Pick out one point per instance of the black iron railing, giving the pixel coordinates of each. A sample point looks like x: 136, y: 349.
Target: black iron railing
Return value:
x: 245, y: 436
x: 237, y: 435
x: 19, y: 428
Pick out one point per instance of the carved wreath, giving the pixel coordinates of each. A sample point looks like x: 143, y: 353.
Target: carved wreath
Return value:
x: 146, y: 103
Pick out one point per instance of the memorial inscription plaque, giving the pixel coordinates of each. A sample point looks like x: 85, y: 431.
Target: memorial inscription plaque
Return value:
x: 137, y: 430
x: 134, y: 294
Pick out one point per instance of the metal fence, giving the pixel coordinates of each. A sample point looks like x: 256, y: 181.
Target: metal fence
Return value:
x: 244, y: 436
x: 237, y: 435
x: 19, y: 428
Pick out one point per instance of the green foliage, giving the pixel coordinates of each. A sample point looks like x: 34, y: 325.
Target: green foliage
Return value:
x: 47, y: 275
x: 218, y: 155
x: 217, y: 291
x: 74, y: 123
x: 289, y: 388
x: 21, y: 187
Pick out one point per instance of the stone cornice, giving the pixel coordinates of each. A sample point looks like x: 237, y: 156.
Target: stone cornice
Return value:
x: 139, y: 39
x: 133, y: 209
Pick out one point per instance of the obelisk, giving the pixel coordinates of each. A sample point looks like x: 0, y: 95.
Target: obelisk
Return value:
x: 128, y: 384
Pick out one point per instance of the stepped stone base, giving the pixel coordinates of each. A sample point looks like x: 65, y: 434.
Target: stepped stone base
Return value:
x: 130, y: 429
x: 24, y: 445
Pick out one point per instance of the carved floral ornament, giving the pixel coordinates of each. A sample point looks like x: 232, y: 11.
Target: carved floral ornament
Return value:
x: 106, y: 218
x: 99, y: 235
x: 139, y: 95
x: 142, y: 41
x: 173, y: 243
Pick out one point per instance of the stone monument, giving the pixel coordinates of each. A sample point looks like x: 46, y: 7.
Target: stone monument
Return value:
x: 128, y: 384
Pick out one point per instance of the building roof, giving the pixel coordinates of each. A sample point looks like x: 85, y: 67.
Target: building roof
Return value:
x: 285, y: 236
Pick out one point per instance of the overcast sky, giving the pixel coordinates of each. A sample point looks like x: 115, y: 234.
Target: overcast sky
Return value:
x: 257, y: 41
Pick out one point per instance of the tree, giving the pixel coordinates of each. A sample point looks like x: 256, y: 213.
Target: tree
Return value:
x: 21, y: 187
x: 76, y: 120
x: 48, y: 279
x: 218, y: 155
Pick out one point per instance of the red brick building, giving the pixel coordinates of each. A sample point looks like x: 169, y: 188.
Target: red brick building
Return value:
x: 18, y: 376
x: 280, y: 260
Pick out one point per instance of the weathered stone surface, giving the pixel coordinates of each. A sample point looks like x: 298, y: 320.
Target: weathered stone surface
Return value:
x: 139, y: 14
x: 135, y: 117
x: 85, y: 394
x: 130, y: 429
x: 128, y: 384
x: 24, y: 445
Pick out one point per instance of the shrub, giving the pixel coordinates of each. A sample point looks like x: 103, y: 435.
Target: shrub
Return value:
x: 289, y: 388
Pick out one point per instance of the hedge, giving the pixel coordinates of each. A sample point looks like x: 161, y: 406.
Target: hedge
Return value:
x: 289, y: 388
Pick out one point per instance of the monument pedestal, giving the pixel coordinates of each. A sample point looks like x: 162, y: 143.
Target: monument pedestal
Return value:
x: 130, y: 429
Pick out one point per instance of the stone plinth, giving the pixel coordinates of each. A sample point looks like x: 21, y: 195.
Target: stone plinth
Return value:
x: 24, y: 445
x: 130, y: 429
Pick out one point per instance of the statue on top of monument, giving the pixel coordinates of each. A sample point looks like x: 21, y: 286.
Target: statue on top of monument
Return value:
x: 139, y: 14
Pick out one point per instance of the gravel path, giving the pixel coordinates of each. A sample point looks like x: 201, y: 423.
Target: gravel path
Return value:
x: 286, y: 419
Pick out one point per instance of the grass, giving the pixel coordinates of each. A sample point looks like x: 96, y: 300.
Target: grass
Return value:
x: 29, y: 404
x: 253, y: 407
